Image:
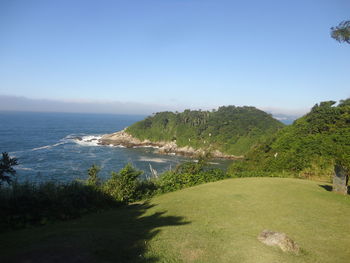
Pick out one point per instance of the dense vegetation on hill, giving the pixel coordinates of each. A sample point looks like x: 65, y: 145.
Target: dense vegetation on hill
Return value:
x: 230, y: 129
x: 310, y: 147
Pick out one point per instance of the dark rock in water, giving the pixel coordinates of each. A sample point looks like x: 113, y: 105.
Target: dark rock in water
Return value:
x: 78, y: 138
x: 281, y: 240
x: 340, y: 180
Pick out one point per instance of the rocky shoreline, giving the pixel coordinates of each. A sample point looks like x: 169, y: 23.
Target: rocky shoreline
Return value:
x: 122, y: 138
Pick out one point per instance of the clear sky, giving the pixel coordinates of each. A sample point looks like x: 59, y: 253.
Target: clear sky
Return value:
x: 176, y: 53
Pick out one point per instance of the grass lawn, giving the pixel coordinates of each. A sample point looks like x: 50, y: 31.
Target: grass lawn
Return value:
x: 215, y: 222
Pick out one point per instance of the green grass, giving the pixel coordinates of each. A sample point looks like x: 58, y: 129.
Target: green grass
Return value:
x: 214, y: 222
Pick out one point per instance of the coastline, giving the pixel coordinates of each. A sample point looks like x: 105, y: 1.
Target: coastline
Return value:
x: 122, y: 138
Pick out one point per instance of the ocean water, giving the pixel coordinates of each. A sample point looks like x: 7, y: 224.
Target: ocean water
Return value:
x: 48, y: 149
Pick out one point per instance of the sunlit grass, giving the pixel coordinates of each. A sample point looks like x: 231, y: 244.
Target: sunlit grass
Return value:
x: 214, y: 222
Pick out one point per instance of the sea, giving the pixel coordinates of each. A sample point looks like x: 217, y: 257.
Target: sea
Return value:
x: 61, y: 147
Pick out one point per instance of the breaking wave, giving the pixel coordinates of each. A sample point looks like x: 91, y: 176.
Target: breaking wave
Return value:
x: 83, y: 140
x: 155, y: 160
x: 87, y: 140
x: 24, y: 168
x: 47, y: 146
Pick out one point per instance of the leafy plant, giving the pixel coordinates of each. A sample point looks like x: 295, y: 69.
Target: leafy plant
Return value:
x: 93, y: 179
x: 188, y: 174
x: 6, y: 168
x: 123, y: 185
x: 24, y: 204
x: 341, y: 33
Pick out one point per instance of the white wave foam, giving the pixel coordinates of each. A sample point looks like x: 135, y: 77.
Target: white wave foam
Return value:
x: 88, y: 140
x: 47, y: 146
x: 23, y: 168
x: 117, y: 146
x: 146, y: 146
x: 14, y: 154
x: 155, y: 160
x: 82, y: 140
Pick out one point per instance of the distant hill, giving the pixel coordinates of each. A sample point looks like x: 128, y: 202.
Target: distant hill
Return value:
x: 231, y: 130
x: 309, y: 147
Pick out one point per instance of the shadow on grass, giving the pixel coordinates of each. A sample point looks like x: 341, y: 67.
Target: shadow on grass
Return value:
x: 330, y: 188
x: 326, y: 187
x: 119, y: 235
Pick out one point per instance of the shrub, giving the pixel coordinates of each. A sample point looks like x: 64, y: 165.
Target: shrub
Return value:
x: 93, y: 179
x: 123, y: 185
x: 6, y: 168
x: 23, y: 204
x: 146, y: 189
x: 188, y: 174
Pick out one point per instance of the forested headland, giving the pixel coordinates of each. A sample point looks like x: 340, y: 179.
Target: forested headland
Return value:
x: 229, y: 129
x: 310, y: 147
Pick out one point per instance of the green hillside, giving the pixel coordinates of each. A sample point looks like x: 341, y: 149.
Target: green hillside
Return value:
x: 214, y: 222
x: 309, y: 147
x: 230, y: 129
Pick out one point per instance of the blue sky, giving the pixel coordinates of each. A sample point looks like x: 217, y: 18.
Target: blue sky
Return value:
x: 175, y: 53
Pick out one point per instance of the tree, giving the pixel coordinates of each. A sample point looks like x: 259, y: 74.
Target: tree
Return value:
x: 6, y: 168
x: 123, y: 185
x: 341, y: 33
x: 93, y: 179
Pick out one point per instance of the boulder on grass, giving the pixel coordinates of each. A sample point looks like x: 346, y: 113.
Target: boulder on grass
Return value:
x: 340, y: 180
x: 281, y: 240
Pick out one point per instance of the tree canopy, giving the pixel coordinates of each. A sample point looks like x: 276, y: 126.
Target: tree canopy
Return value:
x: 230, y: 129
x: 341, y: 33
x: 6, y: 168
x: 311, y: 146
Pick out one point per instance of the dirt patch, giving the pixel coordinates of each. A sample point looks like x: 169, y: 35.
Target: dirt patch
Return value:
x: 190, y: 255
x: 285, y: 243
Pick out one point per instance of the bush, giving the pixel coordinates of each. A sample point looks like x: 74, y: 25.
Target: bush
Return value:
x: 188, y: 174
x: 123, y: 185
x: 146, y: 189
x: 24, y: 204
x: 36, y: 204
x: 93, y: 179
x: 6, y: 168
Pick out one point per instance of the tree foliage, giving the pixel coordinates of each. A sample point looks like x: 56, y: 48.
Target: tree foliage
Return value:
x: 341, y: 33
x: 24, y: 204
x: 6, y: 168
x: 93, y: 179
x: 230, y: 129
x: 188, y: 174
x: 309, y: 147
x: 123, y: 185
